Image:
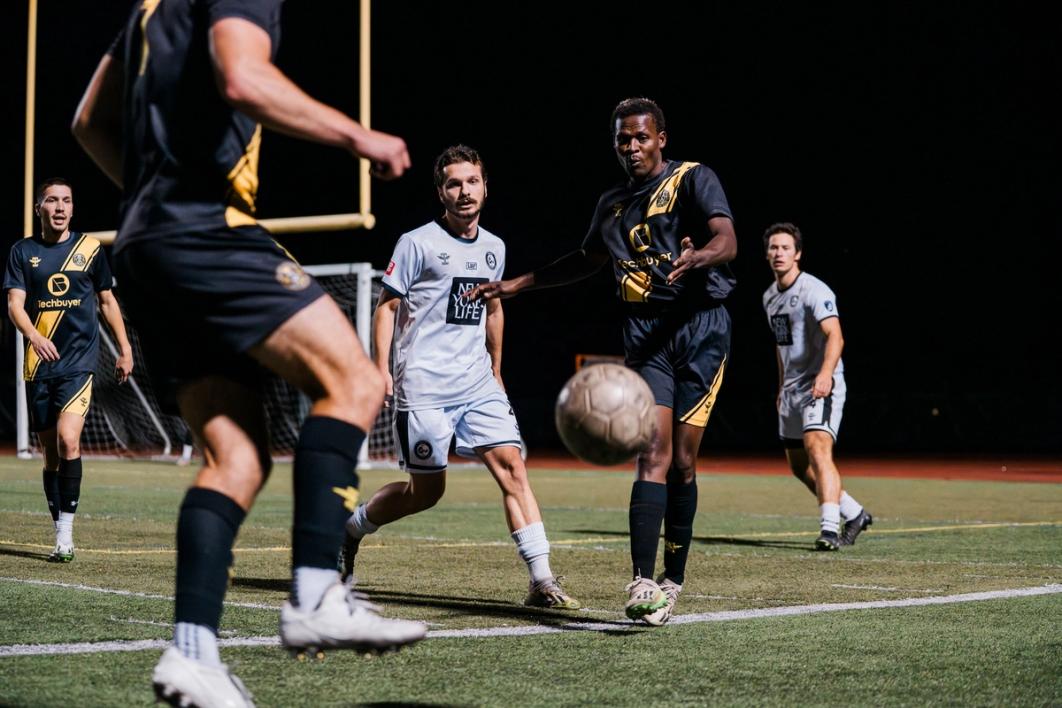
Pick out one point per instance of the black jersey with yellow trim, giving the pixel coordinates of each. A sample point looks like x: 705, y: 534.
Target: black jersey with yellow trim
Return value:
x: 191, y: 159
x: 641, y: 227
x: 61, y: 281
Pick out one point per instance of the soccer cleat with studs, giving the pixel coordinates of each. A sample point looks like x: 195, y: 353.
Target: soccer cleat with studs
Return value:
x: 645, y: 597
x: 184, y: 682
x: 856, y: 526
x: 344, y: 619
x: 346, y: 558
x: 828, y: 541
x: 549, y: 594
x: 62, y: 554
x: 671, y: 591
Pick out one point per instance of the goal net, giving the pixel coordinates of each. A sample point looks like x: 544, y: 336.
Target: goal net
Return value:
x: 126, y: 420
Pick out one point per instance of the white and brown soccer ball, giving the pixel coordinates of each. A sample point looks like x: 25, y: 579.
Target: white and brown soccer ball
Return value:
x: 605, y: 414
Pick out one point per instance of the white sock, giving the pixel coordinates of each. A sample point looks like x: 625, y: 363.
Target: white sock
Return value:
x: 830, y: 517
x: 186, y: 453
x: 533, y: 547
x: 359, y: 525
x: 64, y: 529
x: 850, y: 508
x: 198, y: 642
x: 311, y: 584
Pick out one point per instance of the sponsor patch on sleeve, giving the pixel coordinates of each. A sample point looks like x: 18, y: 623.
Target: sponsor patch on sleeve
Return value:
x: 390, y: 268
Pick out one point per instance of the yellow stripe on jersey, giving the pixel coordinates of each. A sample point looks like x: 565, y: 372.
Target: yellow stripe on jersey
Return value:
x: 663, y: 199
x: 82, y: 254
x: 635, y: 286
x: 243, y: 184
x: 47, y: 322
x: 699, y: 414
x: 79, y: 404
x: 149, y: 7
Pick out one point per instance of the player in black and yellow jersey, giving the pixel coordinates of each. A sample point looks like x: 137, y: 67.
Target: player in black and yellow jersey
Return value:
x: 174, y: 115
x: 57, y: 283
x: 669, y: 234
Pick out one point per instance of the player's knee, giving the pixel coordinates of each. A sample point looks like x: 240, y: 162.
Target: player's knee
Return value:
x: 360, y: 389
x: 244, y: 467
x: 69, y: 446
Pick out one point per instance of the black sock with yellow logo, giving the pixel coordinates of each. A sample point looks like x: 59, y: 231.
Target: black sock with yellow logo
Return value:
x: 326, y: 489
x: 678, y: 527
x: 51, y: 491
x: 648, y: 501
x: 69, y: 479
x: 206, y: 529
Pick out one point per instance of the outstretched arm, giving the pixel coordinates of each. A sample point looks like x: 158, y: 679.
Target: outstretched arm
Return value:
x: 721, y: 248
x: 98, y: 120
x: 383, y: 331
x: 112, y: 315
x: 567, y: 269
x: 250, y: 82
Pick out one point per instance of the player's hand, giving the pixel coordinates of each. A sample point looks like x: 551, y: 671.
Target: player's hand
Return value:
x: 123, y: 367
x: 44, y: 347
x: 495, y: 289
x: 689, y: 257
x: 387, y: 153
x: 389, y: 389
x: 823, y: 386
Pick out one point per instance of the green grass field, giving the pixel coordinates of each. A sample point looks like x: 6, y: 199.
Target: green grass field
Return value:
x: 455, y: 568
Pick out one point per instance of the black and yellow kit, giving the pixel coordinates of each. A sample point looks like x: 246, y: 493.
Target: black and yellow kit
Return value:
x: 676, y: 336
x: 60, y: 281
x: 200, y: 279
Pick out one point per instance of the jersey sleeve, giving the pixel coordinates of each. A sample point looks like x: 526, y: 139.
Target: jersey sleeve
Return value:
x: 101, y: 273
x: 14, y: 278
x: 706, y: 192
x: 404, y: 268
x: 822, y: 302
x: 594, y: 242
x: 264, y: 13
x: 499, y: 270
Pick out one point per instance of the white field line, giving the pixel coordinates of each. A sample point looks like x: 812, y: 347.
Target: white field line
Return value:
x: 490, y: 632
x: 125, y: 593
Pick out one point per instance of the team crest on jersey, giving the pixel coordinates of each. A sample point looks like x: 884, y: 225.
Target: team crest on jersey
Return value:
x: 663, y: 199
x: 617, y: 210
x: 79, y: 260
x: 390, y: 268
x: 422, y: 449
x: 35, y: 261
x: 58, y: 284
x: 793, y: 301
x: 445, y: 258
x: 491, y: 260
x: 292, y: 277
x: 828, y: 305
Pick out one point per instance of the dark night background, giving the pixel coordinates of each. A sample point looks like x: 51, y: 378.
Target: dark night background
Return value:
x: 912, y: 143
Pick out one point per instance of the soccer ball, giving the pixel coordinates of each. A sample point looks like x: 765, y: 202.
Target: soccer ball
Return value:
x: 606, y: 414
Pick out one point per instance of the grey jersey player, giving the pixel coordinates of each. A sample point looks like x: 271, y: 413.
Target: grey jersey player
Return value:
x: 802, y: 313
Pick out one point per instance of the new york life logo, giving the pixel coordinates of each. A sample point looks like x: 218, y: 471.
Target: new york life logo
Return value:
x: 458, y: 309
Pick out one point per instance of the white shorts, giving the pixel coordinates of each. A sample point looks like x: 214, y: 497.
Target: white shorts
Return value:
x: 798, y: 412
x: 424, y: 435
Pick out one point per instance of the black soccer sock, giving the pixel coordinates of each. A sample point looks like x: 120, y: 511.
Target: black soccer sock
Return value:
x: 678, y: 527
x: 326, y: 489
x: 206, y: 529
x: 51, y: 492
x: 648, y: 501
x: 69, y: 482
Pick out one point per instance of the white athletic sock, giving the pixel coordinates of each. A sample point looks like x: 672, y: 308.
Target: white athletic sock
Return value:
x: 186, y: 453
x: 533, y: 547
x: 64, y: 529
x: 358, y: 525
x: 830, y: 517
x: 197, y: 642
x: 311, y: 584
x: 850, y: 508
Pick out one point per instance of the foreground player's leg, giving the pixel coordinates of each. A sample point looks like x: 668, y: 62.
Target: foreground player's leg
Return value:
x: 525, y: 526
x: 819, y: 447
x: 647, y: 509
x: 856, y: 517
x: 50, y: 478
x: 347, y: 392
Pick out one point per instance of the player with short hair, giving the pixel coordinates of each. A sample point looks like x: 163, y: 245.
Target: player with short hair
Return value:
x: 58, y: 283
x: 669, y: 234
x: 174, y: 114
x: 802, y: 313
x: 447, y: 372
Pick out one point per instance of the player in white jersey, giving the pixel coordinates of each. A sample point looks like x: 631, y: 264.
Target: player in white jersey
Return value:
x: 802, y: 313
x: 447, y: 372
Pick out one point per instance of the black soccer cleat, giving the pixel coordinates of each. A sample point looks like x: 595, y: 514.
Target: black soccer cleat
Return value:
x: 350, y: 551
x: 827, y: 541
x: 856, y: 526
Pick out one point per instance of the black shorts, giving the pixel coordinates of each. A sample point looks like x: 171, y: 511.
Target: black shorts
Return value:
x: 682, y: 356
x: 200, y: 300
x: 63, y: 394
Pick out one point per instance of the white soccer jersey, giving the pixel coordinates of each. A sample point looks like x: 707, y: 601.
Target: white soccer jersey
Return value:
x: 440, y: 354
x: 794, y: 315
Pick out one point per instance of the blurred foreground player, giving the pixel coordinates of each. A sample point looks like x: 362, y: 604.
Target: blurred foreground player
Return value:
x: 802, y: 313
x: 173, y: 114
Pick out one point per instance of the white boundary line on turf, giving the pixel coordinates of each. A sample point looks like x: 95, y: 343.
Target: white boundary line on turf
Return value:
x: 490, y: 632
x: 125, y: 593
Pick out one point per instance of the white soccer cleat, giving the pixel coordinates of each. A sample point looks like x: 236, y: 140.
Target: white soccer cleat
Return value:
x: 345, y: 619
x: 184, y: 682
x: 645, y: 597
x: 660, y: 617
x: 62, y: 553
